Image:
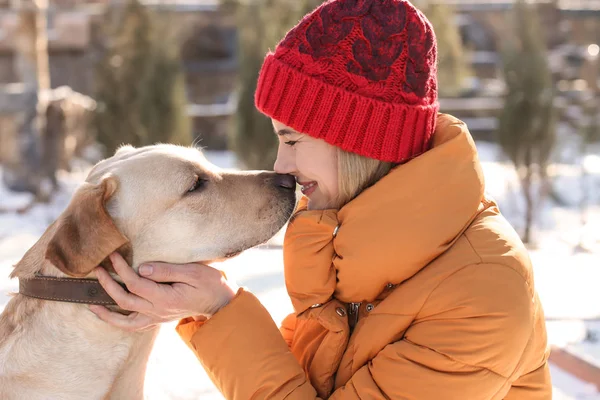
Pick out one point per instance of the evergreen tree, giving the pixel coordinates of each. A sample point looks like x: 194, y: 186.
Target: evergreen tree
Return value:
x: 140, y: 83
x: 261, y: 25
x: 453, y: 65
x: 527, y: 123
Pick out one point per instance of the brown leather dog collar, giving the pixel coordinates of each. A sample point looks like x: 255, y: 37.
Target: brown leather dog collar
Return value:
x: 84, y: 291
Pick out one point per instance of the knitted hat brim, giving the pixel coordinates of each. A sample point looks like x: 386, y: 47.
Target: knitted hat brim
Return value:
x: 392, y: 132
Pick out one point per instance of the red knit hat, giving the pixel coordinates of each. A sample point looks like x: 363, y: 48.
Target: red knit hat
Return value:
x: 360, y: 74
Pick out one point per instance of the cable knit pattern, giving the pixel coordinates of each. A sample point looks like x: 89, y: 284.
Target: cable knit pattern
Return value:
x: 360, y: 74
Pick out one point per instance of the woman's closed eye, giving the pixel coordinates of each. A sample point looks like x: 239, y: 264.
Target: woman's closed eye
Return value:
x: 291, y: 142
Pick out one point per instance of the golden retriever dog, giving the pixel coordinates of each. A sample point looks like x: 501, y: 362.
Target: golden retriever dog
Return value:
x: 156, y: 203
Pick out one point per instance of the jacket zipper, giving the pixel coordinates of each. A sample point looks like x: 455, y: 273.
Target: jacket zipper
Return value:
x: 353, y: 315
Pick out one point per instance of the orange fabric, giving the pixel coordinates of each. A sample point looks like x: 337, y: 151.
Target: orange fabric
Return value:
x: 443, y: 286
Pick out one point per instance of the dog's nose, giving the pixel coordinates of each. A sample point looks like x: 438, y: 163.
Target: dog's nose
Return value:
x: 285, y: 181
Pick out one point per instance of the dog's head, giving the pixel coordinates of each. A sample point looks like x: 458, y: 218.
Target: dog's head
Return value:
x: 166, y: 203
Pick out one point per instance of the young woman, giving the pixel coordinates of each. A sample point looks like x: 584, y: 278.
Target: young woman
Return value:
x: 406, y: 281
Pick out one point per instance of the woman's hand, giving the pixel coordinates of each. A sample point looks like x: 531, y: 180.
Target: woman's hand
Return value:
x: 193, y: 290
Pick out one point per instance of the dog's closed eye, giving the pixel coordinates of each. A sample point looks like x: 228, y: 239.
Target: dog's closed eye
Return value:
x: 199, y: 184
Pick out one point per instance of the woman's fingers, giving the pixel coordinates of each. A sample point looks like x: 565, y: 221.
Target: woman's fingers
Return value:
x: 132, y: 322
x: 135, y: 284
x: 183, y: 273
x: 126, y: 301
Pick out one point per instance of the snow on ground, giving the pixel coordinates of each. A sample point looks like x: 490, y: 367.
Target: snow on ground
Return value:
x: 566, y: 279
x: 567, y: 387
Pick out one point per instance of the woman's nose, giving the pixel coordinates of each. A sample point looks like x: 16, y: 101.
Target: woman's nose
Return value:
x: 284, y: 164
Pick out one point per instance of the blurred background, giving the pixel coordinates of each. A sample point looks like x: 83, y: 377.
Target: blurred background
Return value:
x: 80, y: 77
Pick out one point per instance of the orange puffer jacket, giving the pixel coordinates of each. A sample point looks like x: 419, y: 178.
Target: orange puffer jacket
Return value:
x: 417, y: 289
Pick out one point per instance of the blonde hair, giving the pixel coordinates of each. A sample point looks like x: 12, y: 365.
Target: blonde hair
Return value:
x: 356, y: 173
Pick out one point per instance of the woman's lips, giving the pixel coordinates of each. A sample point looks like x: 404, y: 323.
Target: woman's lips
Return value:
x: 308, y: 187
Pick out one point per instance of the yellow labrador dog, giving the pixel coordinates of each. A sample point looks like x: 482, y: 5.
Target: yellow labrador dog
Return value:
x: 156, y: 203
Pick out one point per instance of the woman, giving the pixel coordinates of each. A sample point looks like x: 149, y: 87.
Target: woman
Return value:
x: 406, y: 281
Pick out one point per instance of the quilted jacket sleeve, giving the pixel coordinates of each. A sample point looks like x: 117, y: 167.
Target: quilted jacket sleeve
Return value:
x: 244, y: 353
x: 246, y: 356
x: 287, y: 328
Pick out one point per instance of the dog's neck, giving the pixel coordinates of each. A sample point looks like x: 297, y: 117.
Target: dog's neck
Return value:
x: 45, y: 344
x: 105, y: 361
x: 40, y: 278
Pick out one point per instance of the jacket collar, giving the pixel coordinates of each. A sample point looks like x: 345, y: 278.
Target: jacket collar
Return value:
x: 399, y: 225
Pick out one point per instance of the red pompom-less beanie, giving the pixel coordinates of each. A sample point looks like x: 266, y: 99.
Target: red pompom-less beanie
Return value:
x: 359, y: 74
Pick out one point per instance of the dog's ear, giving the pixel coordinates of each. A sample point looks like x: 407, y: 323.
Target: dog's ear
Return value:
x: 85, y: 234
